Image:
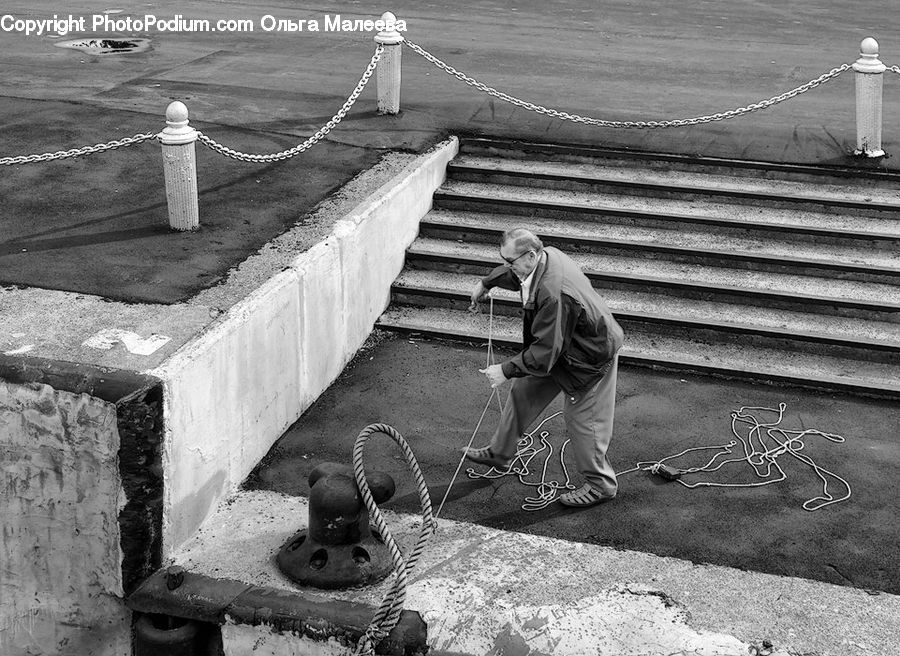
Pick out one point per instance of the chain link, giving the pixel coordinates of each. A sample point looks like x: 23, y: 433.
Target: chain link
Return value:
x: 324, y: 130
x: 895, y: 69
x: 830, y: 75
x: 76, y: 152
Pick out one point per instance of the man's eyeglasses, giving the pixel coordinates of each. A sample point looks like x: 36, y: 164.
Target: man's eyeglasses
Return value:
x: 513, y: 261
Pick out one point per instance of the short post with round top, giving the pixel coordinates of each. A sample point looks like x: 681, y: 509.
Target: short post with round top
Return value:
x: 869, y: 81
x: 388, y: 71
x: 180, y: 168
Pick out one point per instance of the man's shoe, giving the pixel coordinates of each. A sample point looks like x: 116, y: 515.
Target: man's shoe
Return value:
x: 484, y: 456
x: 584, y: 497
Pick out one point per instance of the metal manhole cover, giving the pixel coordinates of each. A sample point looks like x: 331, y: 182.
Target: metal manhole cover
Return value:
x: 106, y: 46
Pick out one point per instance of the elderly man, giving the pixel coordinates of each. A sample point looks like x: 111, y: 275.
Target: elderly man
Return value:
x: 570, y: 344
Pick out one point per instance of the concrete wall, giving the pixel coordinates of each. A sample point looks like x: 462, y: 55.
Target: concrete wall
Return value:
x: 230, y: 393
x: 60, y: 560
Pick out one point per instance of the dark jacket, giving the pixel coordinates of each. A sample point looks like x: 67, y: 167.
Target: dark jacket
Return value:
x: 568, y: 331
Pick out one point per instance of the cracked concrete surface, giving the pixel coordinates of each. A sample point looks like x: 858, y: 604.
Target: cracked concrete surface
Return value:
x: 483, y: 591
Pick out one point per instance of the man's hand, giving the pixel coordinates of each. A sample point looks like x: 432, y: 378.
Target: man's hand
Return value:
x: 478, y: 294
x: 494, y: 374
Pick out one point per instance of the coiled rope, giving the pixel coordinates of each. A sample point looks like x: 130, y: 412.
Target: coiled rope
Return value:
x: 388, y: 613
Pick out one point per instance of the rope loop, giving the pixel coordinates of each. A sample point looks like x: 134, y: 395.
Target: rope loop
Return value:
x: 388, y: 613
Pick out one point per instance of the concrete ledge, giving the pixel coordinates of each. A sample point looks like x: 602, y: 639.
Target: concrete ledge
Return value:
x: 486, y: 591
x: 233, y: 390
x: 303, y: 619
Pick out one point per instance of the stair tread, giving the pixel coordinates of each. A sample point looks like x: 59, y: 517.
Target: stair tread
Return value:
x: 859, y: 191
x: 733, y: 356
x: 665, y: 306
x: 642, y: 268
x: 710, y: 209
x: 696, y: 239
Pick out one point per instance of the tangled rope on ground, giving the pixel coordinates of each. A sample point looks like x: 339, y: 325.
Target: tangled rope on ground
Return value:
x: 314, y: 139
x: 555, y: 113
x: 546, y: 489
x: 388, y: 613
x: 761, y: 456
x: 763, y: 444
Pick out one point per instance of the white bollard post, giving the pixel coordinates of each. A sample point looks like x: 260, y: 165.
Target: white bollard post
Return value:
x: 180, y: 167
x: 869, y: 81
x: 388, y: 70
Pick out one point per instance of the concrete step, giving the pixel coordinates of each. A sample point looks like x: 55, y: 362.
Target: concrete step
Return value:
x: 698, y: 192
x: 758, y: 253
x: 665, y: 350
x: 851, y: 229
x: 874, y: 301
x: 865, y: 182
x: 857, y: 339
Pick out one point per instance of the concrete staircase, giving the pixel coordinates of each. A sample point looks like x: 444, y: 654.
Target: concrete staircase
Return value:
x: 777, y: 273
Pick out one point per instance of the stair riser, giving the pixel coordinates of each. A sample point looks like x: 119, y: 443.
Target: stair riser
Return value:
x: 725, y: 373
x: 682, y: 256
x: 778, y: 233
x: 682, y: 163
x: 711, y: 335
x: 796, y: 303
x: 632, y: 189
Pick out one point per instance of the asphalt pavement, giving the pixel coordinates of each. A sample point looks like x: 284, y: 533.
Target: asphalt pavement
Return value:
x: 431, y: 392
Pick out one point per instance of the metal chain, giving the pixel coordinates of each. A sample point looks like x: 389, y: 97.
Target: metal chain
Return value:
x: 324, y: 130
x: 76, y: 152
x: 830, y: 75
x: 895, y: 69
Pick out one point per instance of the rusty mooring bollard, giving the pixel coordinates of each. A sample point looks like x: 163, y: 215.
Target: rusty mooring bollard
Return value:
x: 338, y: 549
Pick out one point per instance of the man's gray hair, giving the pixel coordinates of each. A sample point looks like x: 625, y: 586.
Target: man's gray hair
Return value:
x: 523, y: 240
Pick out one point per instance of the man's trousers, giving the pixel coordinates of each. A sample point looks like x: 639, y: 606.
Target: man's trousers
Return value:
x: 589, y: 423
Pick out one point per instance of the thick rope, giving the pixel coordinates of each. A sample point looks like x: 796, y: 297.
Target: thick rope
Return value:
x: 388, y: 613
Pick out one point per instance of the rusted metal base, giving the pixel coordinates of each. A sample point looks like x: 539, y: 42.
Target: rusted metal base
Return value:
x: 335, y: 566
x: 337, y: 549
